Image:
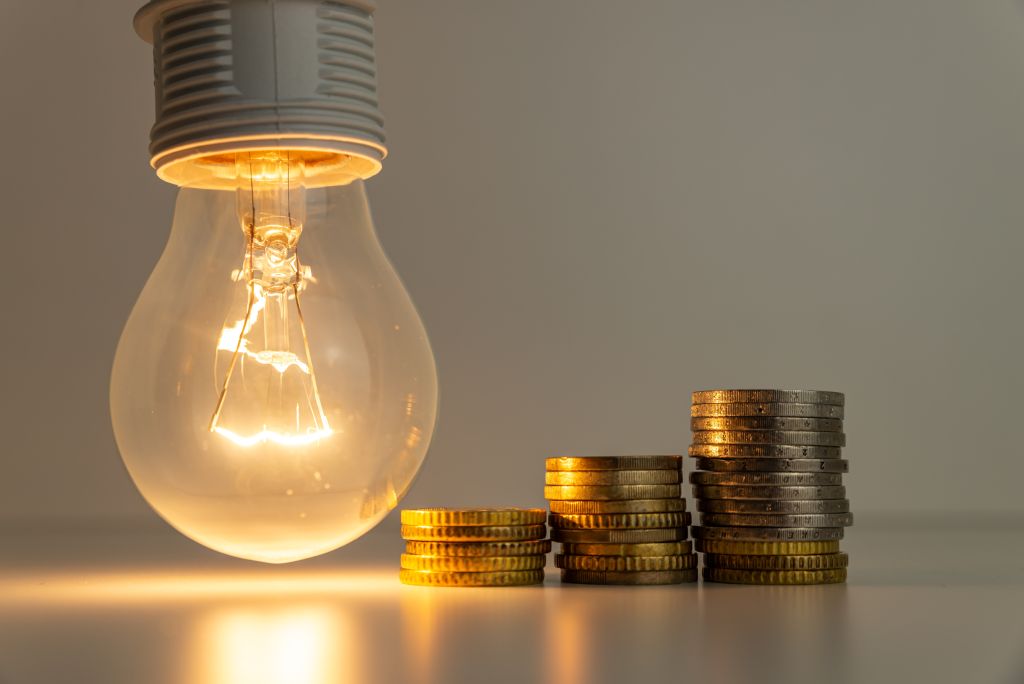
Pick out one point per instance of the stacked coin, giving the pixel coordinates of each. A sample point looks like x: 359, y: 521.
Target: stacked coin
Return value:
x: 474, y: 547
x: 769, y: 485
x: 620, y: 519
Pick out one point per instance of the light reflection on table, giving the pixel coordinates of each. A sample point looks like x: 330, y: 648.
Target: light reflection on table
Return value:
x: 300, y: 643
x: 239, y: 627
x: 154, y: 608
x: 158, y: 587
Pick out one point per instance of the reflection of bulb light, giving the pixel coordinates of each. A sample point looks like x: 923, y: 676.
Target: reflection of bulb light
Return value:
x: 273, y: 392
x: 294, y: 643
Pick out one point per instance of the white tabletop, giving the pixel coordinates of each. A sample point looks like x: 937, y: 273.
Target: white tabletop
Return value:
x: 927, y: 601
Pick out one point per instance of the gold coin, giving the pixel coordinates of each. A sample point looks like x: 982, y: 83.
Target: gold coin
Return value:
x: 613, y: 492
x: 473, y: 516
x: 768, y: 409
x: 617, y: 507
x: 771, y: 437
x: 477, y: 549
x: 665, y: 534
x: 576, y: 463
x: 470, y: 533
x: 731, y: 576
x: 766, y: 423
x: 471, y: 579
x: 767, y: 548
x: 682, y: 548
x: 823, y: 561
x: 625, y: 563
x: 774, y: 396
x: 632, y: 578
x: 479, y: 564
x: 568, y: 521
x: 612, y: 477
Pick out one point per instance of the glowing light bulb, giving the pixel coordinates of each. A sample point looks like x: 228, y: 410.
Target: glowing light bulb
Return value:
x: 273, y: 393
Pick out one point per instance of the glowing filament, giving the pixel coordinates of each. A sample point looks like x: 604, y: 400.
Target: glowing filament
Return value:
x: 280, y: 402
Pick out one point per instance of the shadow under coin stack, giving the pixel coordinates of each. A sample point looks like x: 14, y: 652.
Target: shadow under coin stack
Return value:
x: 474, y: 547
x: 769, y: 485
x: 620, y: 519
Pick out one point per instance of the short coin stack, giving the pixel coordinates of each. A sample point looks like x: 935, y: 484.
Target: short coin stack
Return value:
x: 769, y: 485
x: 620, y: 519
x: 474, y: 547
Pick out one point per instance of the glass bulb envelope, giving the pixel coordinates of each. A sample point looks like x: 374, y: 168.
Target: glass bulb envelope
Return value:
x: 273, y: 393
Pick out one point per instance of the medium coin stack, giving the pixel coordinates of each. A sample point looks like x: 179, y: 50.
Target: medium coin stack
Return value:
x: 769, y: 485
x: 474, y: 547
x: 620, y: 519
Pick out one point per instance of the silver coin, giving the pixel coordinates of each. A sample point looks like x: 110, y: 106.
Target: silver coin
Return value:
x: 774, y: 465
x: 648, y: 536
x: 773, y: 396
x: 755, y: 506
x: 763, y: 451
x: 766, y: 423
x: 786, y: 437
x: 776, y: 479
x: 777, y: 520
x: 767, y: 533
x: 767, y: 492
x: 763, y: 409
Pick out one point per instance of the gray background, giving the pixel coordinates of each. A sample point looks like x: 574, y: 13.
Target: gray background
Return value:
x: 598, y: 207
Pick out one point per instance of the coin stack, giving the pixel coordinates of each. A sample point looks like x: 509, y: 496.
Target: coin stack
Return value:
x: 620, y: 519
x: 474, y: 547
x: 769, y: 485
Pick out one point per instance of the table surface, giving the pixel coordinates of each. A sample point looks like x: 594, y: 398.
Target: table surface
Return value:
x: 928, y: 600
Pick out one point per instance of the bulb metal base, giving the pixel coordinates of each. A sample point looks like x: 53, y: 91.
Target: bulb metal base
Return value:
x: 239, y: 76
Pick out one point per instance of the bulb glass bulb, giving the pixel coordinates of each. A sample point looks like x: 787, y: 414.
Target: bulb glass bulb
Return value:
x: 273, y: 393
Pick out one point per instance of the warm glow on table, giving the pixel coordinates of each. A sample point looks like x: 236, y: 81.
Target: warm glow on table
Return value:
x: 148, y: 606
x: 132, y: 587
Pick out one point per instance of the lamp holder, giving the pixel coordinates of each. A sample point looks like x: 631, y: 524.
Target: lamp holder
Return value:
x: 237, y: 76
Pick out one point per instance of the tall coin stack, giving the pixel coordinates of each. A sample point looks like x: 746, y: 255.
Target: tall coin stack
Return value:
x: 620, y: 519
x: 474, y: 547
x: 769, y: 485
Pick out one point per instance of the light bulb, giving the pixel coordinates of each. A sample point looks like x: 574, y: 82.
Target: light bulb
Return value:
x: 273, y: 392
